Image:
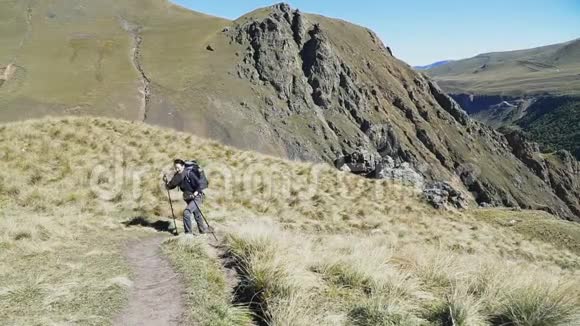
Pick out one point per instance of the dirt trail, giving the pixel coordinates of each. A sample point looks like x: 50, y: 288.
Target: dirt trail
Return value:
x: 146, y: 82
x: 156, y: 296
x: 145, y: 89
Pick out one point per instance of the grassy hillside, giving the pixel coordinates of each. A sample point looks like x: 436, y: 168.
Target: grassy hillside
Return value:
x: 312, y: 245
x: 550, y: 69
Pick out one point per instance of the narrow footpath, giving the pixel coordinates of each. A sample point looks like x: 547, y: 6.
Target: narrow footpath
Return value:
x: 156, y: 296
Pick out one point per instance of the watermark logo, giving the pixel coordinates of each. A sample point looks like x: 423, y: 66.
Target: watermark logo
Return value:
x: 119, y: 180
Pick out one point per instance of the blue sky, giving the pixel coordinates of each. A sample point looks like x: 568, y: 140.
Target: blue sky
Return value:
x: 422, y: 31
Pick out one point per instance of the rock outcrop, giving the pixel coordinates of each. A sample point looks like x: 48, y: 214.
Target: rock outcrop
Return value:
x: 564, y: 173
x: 449, y: 104
x: 377, y: 166
x: 560, y: 170
x: 361, y: 162
x: 528, y: 153
x: 372, y: 165
x: 442, y: 194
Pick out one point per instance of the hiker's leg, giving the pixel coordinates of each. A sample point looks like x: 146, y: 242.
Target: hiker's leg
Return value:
x: 187, y: 216
x: 197, y: 215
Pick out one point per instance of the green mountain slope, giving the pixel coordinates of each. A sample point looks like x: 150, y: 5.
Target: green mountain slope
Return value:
x: 554, y: 123
x: 74, y: 57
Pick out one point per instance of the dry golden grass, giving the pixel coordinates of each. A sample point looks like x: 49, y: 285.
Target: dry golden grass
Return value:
x: 313, y: 245
x: 368, y: 280
x: 58, y: 269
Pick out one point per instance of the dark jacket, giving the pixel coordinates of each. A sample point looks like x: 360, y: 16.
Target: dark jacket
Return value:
x: 188, y: 183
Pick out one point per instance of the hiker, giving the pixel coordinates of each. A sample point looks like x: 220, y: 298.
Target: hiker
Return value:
x: 192, y: 189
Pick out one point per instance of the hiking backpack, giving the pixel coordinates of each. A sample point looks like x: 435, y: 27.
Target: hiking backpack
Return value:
x: 193, y: 167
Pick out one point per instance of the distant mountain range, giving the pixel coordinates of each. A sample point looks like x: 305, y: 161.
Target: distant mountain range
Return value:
x: 551, y: 69
x: 536, y: 90
x: 433, y: 65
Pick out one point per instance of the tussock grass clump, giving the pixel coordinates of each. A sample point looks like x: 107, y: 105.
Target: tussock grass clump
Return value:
x: 209, y: 301
x: 346, y: 275
x: 539, y: 305
x: 380, y: 312
x: 271, y: 282
x: 435, y: 268
x: 293, y: 310
x: 458, y: 308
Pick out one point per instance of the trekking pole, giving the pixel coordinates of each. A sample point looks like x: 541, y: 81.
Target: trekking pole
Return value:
x: 172, y: 213
x: 208, y: 226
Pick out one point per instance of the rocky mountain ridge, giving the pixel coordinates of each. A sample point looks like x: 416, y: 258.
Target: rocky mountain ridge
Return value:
x: 312, y: 74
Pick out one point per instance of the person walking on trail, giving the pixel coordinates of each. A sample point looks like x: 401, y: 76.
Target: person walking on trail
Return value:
x: 192, y: 188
